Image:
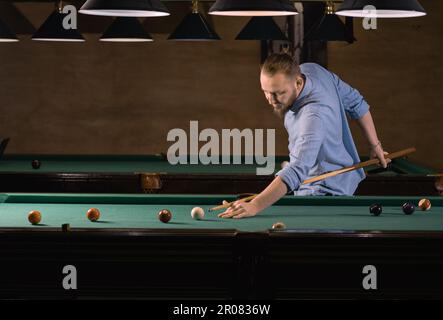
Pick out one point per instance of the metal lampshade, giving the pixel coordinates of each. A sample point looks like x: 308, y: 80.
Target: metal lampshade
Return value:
x: 331, y: 28
x: 52, y: 30
x: 125, y: 8
x: 384, y: 8
x: 6, y: 35
x: 194, y: 27
x: 253, y: 8
x: 261, y: 28
x: 126, y: 29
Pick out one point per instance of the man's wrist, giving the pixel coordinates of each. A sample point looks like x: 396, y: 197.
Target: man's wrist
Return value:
x: 373, y: 146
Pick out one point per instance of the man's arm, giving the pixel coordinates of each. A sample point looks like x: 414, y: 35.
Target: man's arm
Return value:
x: 305, y: 153
x: 358, y: 109
x: 367, y: 125
x: 276, y: 189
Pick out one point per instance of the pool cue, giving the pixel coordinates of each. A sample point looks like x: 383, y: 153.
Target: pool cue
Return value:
x: 227, y: 205
x: 360, y: 165
x: 392, y: 155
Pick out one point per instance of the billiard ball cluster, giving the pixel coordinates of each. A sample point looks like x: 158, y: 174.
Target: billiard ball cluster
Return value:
x: 408, y: 207
x: 93, y: 215
x: 34, y: 217
x: 197, y: 213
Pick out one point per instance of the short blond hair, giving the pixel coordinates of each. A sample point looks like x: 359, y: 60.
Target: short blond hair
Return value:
x: 281, y: 62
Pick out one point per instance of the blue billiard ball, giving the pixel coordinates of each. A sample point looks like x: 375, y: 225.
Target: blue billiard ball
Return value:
x: 408, y: 208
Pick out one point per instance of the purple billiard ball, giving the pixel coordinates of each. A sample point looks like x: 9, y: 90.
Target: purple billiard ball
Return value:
x: 408, y: 208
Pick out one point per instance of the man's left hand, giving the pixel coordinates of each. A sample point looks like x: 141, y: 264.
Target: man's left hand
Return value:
x: 378, y: 152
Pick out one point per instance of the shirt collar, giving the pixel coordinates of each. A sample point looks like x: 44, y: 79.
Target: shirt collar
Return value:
x: 299, y: 102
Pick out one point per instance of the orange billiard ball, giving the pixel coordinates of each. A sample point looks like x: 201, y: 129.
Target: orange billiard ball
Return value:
x: 164, y: 215
x: 424, y: 204
x: 93, y: 214
x: 34, y: 217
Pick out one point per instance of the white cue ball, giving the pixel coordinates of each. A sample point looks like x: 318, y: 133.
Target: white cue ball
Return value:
x: 284, y: 164
x: 197, y: 213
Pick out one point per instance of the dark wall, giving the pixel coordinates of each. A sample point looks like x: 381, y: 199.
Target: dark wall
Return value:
x: 98, y: 97
x: 398, y: 69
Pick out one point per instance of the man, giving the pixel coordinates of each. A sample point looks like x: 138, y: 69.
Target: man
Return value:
x: 314, y: 103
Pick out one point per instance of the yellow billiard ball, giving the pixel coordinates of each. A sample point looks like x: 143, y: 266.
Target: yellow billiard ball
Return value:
x: 279, y: 226
x: 424, y: 204
x: 34, y: 217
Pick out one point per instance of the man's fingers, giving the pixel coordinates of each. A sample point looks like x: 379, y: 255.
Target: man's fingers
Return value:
x: 230, y: 214
x: 241, y: 215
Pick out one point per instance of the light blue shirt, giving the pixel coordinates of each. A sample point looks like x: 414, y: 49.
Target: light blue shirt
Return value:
x: 319, y: 136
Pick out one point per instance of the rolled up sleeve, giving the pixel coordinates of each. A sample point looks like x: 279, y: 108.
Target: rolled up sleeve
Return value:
x: 306, y: 148
x: 353, y: 102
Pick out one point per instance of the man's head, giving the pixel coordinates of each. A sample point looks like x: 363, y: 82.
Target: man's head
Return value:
x: 281, y: 81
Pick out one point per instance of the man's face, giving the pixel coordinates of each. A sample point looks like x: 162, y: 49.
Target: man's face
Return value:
x: 280, y: 91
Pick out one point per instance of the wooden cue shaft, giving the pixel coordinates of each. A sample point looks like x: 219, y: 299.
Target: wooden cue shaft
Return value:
x: 360, y: 165
x: 224, y: 206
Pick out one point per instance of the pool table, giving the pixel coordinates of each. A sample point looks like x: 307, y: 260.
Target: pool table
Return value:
x: 129, y: 253
x: 153, y: 174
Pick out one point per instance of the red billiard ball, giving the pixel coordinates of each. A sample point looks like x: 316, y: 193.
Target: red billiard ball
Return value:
x: 34, y: 217
x: 93, y: 214
x: 375, y: 209
x: 408, y: 208
x: 35, y: 164
x: 164, y: 215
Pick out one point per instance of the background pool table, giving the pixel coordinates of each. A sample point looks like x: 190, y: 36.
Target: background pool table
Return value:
x: 153, y: 174
x: 130, y: 253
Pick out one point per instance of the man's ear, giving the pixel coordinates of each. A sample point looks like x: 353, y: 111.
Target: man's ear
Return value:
x: 299, y: 81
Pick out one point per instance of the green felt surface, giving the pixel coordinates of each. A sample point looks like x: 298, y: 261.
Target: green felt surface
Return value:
x: 158, y: 163
x: 121, y: 164
x: 140, y: 211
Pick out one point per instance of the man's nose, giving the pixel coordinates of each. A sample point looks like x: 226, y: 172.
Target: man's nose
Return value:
x: 272, y: 99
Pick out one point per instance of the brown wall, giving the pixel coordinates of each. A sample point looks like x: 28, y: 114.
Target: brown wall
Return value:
x: 96, y: 97
x: 123, y: 98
